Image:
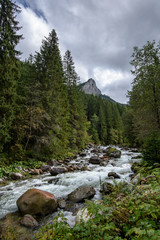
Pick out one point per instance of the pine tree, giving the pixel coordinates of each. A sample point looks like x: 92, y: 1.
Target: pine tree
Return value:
x: 9, y: 69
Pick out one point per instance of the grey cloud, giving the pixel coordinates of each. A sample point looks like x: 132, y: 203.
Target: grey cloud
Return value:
x: 101, y: 33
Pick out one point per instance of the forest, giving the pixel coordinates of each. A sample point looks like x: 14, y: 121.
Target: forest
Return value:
x: 45, y: 115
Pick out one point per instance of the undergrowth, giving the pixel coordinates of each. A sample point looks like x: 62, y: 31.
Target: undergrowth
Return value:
x: 127, y: 213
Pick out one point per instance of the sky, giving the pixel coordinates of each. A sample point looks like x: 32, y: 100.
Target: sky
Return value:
x: 100, y: 34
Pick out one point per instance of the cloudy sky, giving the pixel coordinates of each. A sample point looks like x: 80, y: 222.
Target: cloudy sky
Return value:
x: 100, y: 34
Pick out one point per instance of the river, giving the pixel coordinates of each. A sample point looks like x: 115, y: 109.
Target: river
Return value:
x: 67, y: 182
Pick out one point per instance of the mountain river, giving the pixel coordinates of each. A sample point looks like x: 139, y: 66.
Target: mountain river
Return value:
x: 67, y: 182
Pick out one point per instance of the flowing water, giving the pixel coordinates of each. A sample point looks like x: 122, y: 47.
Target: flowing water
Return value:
x: 67, y: 182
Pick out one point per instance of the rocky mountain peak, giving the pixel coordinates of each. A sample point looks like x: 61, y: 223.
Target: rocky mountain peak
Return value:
x: 90, y: 87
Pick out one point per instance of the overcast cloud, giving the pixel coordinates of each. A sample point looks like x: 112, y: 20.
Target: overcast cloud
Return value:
x: 100, y: 35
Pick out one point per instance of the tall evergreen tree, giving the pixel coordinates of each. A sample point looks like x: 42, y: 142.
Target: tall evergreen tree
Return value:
x: 9, y: 69
x: 145, y: 93
x: 54, y: 93
x: 78, y: 120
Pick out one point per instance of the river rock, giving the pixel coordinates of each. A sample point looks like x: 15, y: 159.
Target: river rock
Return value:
x: 16, y: 176
x: 85, y: 168
x: 62, y: 203
x: 81, y: 193
x: 29, y: 221
x: 52, y: 162
x: 35, y: 171
x: 113, y: 174
x: 35, y: 201
x: 94, y: 160
x: 45, y: 168
x: 83, y: 154
x: 57, y: 170
x: 106, y: 188
x: 113, y: 152
x: 94, y: 150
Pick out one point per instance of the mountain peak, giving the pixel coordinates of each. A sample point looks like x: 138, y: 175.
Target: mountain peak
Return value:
x: 90, y: 87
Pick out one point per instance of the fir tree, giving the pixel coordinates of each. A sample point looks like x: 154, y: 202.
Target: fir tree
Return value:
x: 9, y: 69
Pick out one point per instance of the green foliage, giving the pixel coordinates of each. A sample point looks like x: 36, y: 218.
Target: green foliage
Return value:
x: 144, y: 96
x: 127, y: 213
x: 151, y: 152
x: 9, y: 70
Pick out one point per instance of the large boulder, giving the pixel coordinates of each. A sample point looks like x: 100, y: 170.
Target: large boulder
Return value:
x: 35, y: 201
x: 81, y: 193
x: 95, y: 160
x: 57, y: 170
x: 113, y: 152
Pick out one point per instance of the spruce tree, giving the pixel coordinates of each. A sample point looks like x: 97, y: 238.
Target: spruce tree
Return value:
x: 54, y: 94
x: 78, y: 120
x: 9, y: 69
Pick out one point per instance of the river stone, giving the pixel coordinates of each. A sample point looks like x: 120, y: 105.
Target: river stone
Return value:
x: 113, y: 174
x: 83, y: 154
x: 94, y: 160
x: 16, y: 176
x: 29, y: 221
x: 113, y: 152
x: 45, y: 168
x: 57, y: 170
x: 81, y: 193
x: 62, y: 203
x: 35, y: 201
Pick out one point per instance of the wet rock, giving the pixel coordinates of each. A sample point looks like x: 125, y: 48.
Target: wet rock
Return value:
x: 95, y: 160
x: 45, y: 168
x: 113, y: 174
x: 62, y: 203
x: 35, y: 171
x: 81, y: 193
x: 85, y: 168
x: 113, y: 152
x: 35, y: 201
x: 52, y: 162
x: 94, y: 150
x: 104, y: 163
x: 57, y: 170
x: 29, y: 221
x: 53, y: 180
x: 16, y: 176
x: 106, y: 188
x: 83, y: 154
x: 137, y: 157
